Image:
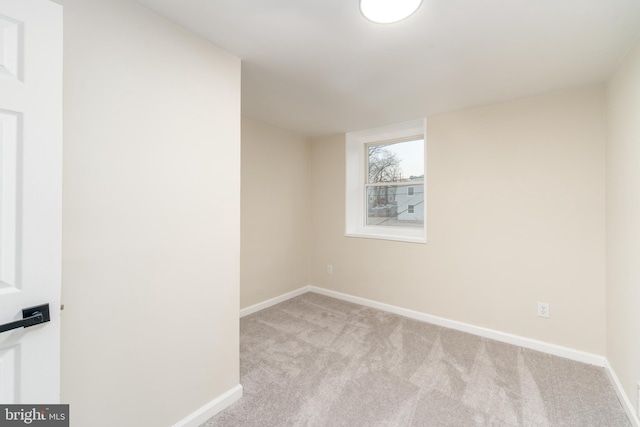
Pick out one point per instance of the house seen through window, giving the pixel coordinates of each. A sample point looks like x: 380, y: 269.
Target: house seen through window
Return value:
x: 395, y: 176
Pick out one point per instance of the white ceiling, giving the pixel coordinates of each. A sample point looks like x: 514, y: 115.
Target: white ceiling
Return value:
x: 317, y: 67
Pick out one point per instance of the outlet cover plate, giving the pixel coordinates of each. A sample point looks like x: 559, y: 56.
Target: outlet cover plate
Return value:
x: 638, y: 400
x: 543, y: 309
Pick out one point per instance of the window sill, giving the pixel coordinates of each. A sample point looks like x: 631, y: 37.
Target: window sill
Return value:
x: 387, y: 236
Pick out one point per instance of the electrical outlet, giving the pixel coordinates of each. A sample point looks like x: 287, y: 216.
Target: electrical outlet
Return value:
x: 329, y: 269
x: 543, y: 309
x: 638, y: 400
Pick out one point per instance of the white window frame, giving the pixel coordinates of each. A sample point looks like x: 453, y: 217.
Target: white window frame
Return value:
x: 355, y: 191
x: 410, y: 190
x: 411, y: 208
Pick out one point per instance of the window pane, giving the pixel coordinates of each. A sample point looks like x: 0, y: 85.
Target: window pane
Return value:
x: 390, y: 205
x: 397, y: 162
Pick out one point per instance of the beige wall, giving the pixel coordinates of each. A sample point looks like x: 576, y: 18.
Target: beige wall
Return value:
x: 623, y: 223
x: 151, y: 217
x: 516, y: 215
x: 275, y: 212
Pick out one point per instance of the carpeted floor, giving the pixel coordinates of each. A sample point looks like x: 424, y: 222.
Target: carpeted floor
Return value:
x: 319, y: 361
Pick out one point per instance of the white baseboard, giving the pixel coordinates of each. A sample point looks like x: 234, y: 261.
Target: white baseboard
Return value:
x: 556, y: 350
x: 622, y: 396
x: 273, y: 301
x: 212, y: 408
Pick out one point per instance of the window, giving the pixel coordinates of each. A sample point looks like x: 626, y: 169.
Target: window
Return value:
x: 385, y: 181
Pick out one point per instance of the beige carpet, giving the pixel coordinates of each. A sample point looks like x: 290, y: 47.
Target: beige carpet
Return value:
x: 318, y: 361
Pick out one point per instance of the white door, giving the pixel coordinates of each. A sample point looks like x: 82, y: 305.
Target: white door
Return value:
x: 30, y: 197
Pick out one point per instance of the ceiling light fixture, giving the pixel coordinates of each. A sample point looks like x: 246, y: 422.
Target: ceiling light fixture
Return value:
x: 388, y: 11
